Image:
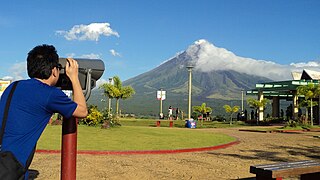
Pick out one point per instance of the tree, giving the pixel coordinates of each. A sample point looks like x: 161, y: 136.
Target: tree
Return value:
x: 121, y: 92
x: 203, y: 109
x: 256, y: 104
x: 94, y: 117
x: 309, y: 91
x: 231, y: 110
x: 117, y: 91
x: 109, y: 91
x: 306, y: 104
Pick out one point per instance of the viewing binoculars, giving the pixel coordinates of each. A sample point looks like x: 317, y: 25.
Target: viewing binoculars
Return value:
x: 90, y: 70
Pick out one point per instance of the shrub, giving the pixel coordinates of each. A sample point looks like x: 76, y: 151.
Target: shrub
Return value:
x: 109, y: 120
x: 292, y: 123
x: 219, y: 118
x: 195, y: 115
x: 94, y: 117
x: 56, y: 119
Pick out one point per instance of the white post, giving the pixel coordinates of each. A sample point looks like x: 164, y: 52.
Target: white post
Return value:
x: 109, y: 99
x: 160, y: 101
x: 242, y: 100
x: 261, y: 107
x: 190, y: 86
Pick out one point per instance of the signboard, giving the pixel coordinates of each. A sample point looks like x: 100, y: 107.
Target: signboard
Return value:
x: 3, y: 86
x: 161, y: 95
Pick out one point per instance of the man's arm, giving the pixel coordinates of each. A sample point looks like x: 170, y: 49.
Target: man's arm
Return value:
x: 78, y: 97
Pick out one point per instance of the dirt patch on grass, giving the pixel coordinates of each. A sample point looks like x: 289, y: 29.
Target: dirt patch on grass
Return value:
x: 229, y: 163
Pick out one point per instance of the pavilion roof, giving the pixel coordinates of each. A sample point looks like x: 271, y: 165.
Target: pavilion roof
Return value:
x: 279, y: 88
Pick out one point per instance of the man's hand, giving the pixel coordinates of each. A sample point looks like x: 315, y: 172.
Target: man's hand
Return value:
x: 72, y: 69
x: 72, y: 72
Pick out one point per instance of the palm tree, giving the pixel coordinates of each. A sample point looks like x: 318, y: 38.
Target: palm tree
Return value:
x: 256, y: 104
x: 109, y: 91
x: 203, y: 109
x: 306, y: 104
x: 231, y: 110
x: 309, y: 91
x: 117, y: 91
x: 122, y: 92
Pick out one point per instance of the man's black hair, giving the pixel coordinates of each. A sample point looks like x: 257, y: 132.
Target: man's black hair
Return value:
x: 41, y: 60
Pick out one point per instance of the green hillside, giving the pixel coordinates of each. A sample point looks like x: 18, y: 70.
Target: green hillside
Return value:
x: 216, y: 88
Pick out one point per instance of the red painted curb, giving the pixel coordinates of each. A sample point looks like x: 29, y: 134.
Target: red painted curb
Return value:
x: 145, y: 152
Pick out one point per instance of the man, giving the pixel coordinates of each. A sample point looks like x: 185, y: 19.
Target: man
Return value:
x: 36, y: 99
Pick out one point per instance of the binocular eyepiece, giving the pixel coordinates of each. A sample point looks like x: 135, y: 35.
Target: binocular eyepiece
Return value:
x: 90, y: 70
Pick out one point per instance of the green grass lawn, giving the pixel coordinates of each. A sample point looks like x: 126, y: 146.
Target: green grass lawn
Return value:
x: 133, y: 138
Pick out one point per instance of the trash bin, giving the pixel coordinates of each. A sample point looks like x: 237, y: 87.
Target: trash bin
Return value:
x: 191, y: 123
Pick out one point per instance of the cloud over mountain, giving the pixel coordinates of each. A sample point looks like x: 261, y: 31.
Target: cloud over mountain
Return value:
x: 206, y: 57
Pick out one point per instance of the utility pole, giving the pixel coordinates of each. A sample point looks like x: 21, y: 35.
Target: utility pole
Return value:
x: 160, y: 101
x: 109, y: 99
x: 242, y: 100
x: 189, y: 67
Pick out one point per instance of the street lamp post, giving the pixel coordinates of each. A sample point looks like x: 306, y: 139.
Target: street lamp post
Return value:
x: 242, y: 100
x: 109, y: 99
x: 160, y: 101
x: 189, y: 67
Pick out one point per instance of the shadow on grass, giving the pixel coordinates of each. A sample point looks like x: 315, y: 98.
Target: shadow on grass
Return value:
x: 307, y: 152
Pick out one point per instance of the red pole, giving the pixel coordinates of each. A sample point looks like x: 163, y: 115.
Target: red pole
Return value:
x: 69, y: 149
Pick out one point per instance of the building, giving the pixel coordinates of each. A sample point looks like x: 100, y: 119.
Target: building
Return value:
x: 275, y: 91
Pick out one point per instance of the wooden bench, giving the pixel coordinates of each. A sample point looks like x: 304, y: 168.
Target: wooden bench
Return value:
x: 307, y: 170
x: 158, y: 122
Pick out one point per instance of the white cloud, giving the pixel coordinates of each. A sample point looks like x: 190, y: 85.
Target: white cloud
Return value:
x: 308, y: 64
x: 100, y: 82
x: 88, y: 32
x: 206, y: 57
x: 114, y: 53
x: 87, y: 56
x: 7, y: 78
x: 18, y: 70
x: 70, y: 55
x: 91, y: 56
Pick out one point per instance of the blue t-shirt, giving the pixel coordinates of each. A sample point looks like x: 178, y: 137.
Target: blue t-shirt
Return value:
x: 32, y: 106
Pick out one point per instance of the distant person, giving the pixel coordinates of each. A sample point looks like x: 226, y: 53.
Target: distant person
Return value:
x: 161, y: 116
x: 282, y: 114
x: 299, y: 112
x: 252, y: 115
x: 245, y: 115
x: 289, y: 112
x: 177, y: 113
x: 208, y: 116
x: 242, y: 116
x: 36, y: 99
x: 170, y: 113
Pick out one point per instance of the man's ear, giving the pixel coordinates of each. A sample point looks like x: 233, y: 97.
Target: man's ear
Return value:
x: 54, y: 72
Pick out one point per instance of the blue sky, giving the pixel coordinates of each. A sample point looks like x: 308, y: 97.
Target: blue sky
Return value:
x: 136, y: 36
